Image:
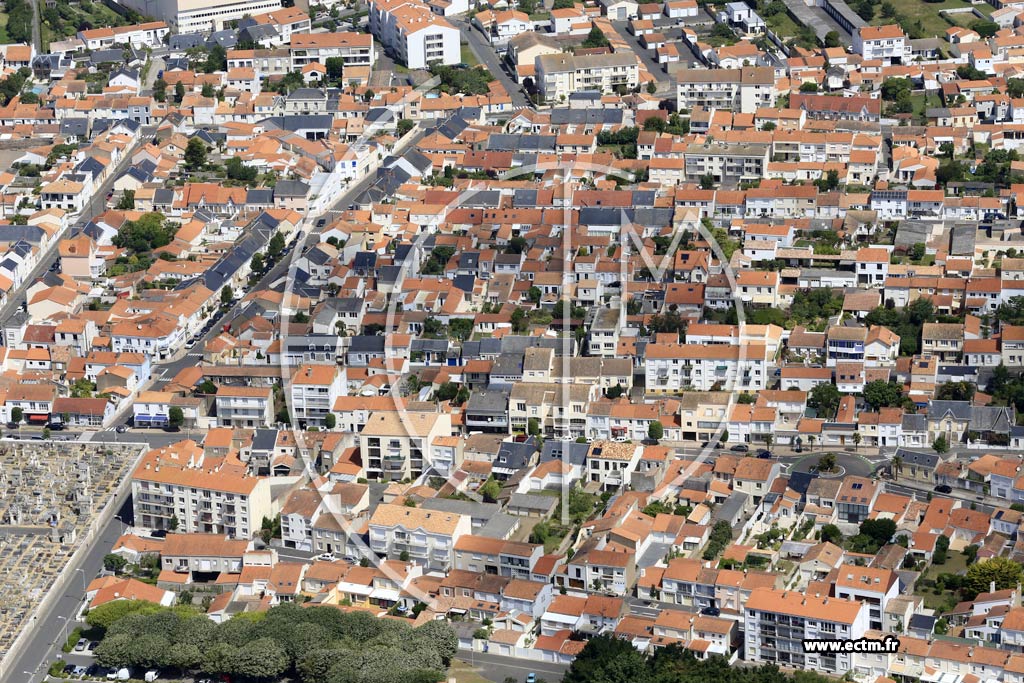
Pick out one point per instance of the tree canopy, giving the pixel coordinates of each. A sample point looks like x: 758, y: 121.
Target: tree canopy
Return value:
x: 319, y: 644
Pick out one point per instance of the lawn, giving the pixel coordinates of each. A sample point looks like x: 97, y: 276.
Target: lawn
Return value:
x: 956, y: 563
x: 468, y: 57
x: 4, y: 38
x: 783, y: 25
x: 927, y: 12
x: 462, y: 672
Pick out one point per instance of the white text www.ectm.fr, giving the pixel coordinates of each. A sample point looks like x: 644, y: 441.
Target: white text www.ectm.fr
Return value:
x: 886, y: 645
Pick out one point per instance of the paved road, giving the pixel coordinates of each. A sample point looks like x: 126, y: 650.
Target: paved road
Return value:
x: 37, y: 36
x: 647, y: 56
x: 93, y: 208
x: 165, y: 372
x: 485, y: 55
x: 817, y: 19
x: 853, y: 465
x: 497, y: 668
x: 29, y: 665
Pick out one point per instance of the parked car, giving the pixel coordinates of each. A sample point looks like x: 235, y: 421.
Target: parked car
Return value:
x: 81, y: 645
x: 711, y: 611
x: 740, y: 448
x: 531, y: 677
x: 764, y: 453
x: 121, y: 429
x: 944, y: 488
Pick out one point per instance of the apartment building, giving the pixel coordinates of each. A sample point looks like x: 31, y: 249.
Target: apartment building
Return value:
x: 776, y: 624
x: 560, y: 75
x: 239, y: 406
x: 413, y: 34
x: 157, y: 336
x: 887, y: 44
x: 355, y: 49
x: 287, y: 21
x: 397, y: 446
x: 150, y: 34
x: 314, y: 389
x: 199, y: 16
x: 726, y: 162
x: 672, y: 368
x: 872, y: 586
x: 424, y: 537
x: 743, y: 90
x: 558, y: 409
x: 176, y: 483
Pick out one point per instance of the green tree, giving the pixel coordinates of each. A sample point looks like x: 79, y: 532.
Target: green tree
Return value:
x: 237, y: 170
x: 114, y: 563
x: 175, y: 417
x: 127, y: 201
x: 533, y: 426
x: 832, y: 39
x: 878, y: 530
x: 940, y: 445
x: 179, y: 92
x: 656, y: 431
x: 830, y: 533
x: 17, y: 414
x: 882, y: 394
x: 824, y: 399
x: 651, y: 87
x: 335, y: 67
x: 608, y: 659
x: 226, y: 295
x: 330, y: 421
x: 1000, y: 571
x: 160, y: 90
x: 490, y: 490
x: 596, y: 38
x: 195, y: 154
x: 276, y: 245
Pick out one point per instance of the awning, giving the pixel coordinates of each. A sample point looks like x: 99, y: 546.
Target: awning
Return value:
x: 39, y: 418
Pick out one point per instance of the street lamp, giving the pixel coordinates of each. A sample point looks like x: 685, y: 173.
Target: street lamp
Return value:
x: 85, y: 589
x: 64, y: 630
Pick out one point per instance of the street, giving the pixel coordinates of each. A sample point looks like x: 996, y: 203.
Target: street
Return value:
x: 30, y: 664
x: 165, y: 372
x: 497, y: 668
x: 486, y: 55
x: 95, y: 206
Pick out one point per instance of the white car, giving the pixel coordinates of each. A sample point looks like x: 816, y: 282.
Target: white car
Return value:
x: 325, y: 557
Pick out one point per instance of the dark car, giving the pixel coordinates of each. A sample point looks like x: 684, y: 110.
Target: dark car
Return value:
x: 711, y: 611
x: 740, y: 448
x: 764, y: 453
x: 944, y: 488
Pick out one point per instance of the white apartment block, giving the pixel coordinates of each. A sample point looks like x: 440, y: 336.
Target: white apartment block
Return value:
x: 743, y: 90
x: 777, y: 622
x: 672, y: 368
x: 885, y: 43
x: 247, y: 407
x: 172, y: 483
x: 314, y: 390
x: 150, y: 34
x: 560, y: 75
x: 355, y: 49
x: 424, y: 537
x: 397, y: 446
x: 413, y: 34
x: 199, y: 16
